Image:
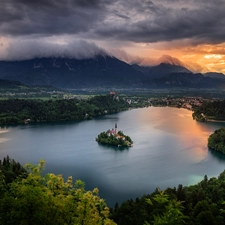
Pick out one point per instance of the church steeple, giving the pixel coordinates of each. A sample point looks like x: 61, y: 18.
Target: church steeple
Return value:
x: 116, y: 129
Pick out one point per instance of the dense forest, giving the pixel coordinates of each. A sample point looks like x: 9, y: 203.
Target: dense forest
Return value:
x: 18, y: 111
x: 28, y: 197
x: 216, y: 141
x: 10, y: 170
x: 32, y: 198
x: 200, y: 204
x: 120, y: 140
x: 210, y: 111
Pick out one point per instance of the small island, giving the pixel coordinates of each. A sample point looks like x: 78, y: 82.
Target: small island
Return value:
x: 216, y: 141
x: 114, y: 137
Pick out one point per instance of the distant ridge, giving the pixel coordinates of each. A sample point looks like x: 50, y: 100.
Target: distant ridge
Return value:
x: 161, y: 70
x: 10, y: 84
x: 72, y: 73
x: 215, y: 75
x: 104, y: 71
x: 13, y: 86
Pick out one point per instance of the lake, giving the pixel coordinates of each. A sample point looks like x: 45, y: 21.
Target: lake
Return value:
x: 170, y: 148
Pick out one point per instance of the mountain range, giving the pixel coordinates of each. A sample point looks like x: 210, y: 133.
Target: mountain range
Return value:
x: 104, y: 71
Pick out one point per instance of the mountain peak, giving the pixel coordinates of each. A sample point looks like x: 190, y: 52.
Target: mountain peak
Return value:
x: 167, y: 59
x: 161, y: 70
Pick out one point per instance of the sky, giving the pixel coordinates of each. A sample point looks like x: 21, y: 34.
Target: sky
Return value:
x: 190, y: 33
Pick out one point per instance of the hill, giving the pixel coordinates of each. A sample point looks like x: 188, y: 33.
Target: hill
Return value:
x: 72, y: 73
x: 16, y: 89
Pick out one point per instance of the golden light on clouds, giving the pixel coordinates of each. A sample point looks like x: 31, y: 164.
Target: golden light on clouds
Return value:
x: 213, y: 56
x: 197, y: 58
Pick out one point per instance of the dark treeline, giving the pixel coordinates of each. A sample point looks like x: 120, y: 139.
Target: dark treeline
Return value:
x: 210, y: 111
x: 202, y: 203
x: 11, y: 170
x: 18, y: 111
x: 216, y: 141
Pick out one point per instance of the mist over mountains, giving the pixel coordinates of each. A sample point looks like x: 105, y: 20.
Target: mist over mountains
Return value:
x: 159, y: 71
x: 104, y: 71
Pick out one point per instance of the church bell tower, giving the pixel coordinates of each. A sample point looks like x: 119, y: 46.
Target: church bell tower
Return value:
x: 116, y: 129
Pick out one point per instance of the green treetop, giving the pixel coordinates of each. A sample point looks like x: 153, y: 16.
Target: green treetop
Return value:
x: 48, y: 200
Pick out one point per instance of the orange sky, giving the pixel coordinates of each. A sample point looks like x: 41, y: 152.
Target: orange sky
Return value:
x: 200, y: 58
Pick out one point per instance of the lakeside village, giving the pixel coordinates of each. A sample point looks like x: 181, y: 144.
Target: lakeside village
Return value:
x: 134, y: 100
x: 114, y: 137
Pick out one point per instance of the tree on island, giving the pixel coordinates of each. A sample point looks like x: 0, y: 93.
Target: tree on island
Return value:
x: 114, y: 137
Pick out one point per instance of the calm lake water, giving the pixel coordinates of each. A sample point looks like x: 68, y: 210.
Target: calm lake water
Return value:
x: 170, y: 148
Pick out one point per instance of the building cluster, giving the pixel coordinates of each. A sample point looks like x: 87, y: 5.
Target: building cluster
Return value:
x: 114, y: 132
x: 185, y: 102
x: 31, y: 93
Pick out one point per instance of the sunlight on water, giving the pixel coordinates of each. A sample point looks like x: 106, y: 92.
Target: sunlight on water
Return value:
x: 187, y: 135
x: 194, y: 179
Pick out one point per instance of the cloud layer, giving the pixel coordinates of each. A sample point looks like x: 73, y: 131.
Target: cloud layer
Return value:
x: 186, y: 23
x: 138, y: 21
x: 22, y: 50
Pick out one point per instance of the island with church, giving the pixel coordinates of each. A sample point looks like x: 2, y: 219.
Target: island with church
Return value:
x: 114, y: 137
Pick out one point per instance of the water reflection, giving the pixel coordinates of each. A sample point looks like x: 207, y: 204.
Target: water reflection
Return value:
x: 112, y: 147
x: 220, y: 157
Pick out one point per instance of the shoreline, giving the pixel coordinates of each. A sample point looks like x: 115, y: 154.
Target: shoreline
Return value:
x: 2, y: 131
x: 218, y: 121
x: 76, y: 120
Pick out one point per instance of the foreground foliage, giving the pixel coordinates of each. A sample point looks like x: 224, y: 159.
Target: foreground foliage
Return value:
x: 48, y: 199
x: 28, y: 197
x: 11, y: 170
x: 170, y: 210
x: 200, y: 204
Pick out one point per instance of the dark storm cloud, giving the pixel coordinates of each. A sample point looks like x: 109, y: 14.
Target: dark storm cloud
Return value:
x: 153, y: 21
x: 201, y: 21
x: 49, y: 17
